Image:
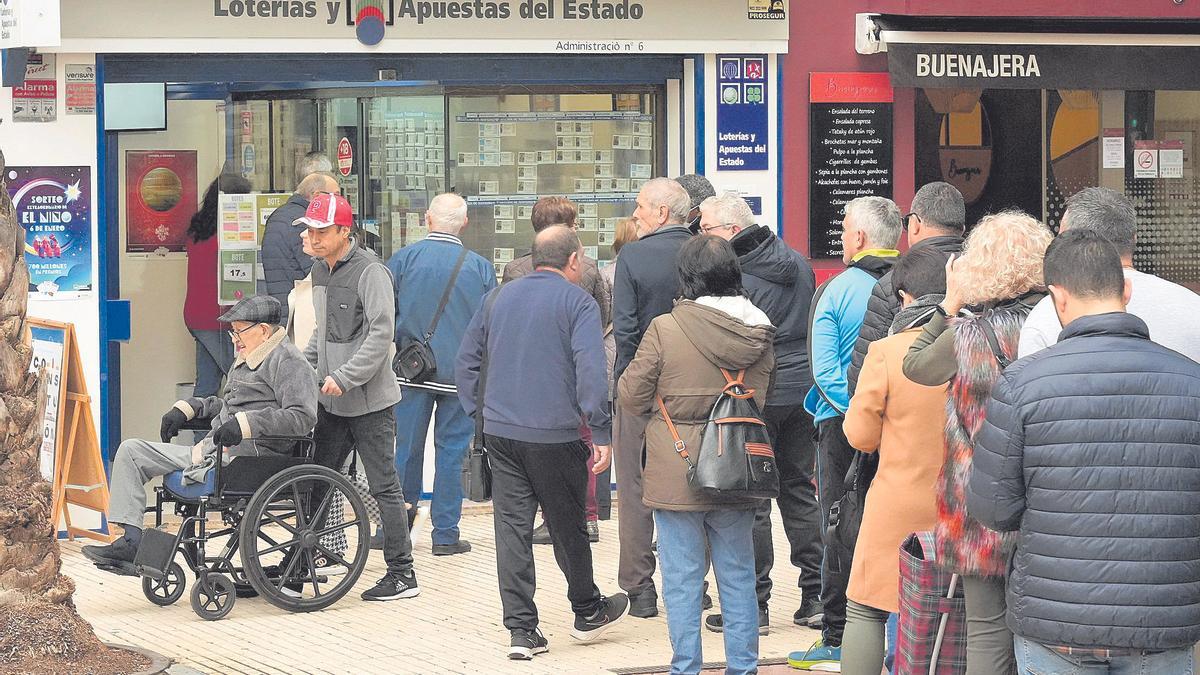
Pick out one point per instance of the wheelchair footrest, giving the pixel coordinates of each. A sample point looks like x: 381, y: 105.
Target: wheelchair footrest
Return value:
x: 155, y: 554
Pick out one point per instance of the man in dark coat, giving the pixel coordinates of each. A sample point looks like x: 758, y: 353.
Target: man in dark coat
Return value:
x: 780, y: 282
x: 1091, y: 451
x: 937, y: 218
x: 283, y: 258
x: 646, y: 286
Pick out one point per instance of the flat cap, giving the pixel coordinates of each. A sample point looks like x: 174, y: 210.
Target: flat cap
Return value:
x: 697, y: 186
x: 255, y: 309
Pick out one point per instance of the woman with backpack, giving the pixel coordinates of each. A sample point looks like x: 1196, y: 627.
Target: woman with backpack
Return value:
x: 676, y: 377
x: 990, y: 291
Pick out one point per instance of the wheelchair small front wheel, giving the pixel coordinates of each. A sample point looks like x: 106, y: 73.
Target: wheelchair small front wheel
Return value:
x: 167, y: 590
x: 213, y: 596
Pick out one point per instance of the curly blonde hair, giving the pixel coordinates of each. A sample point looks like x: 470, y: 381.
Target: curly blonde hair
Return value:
x: 1002, y: 257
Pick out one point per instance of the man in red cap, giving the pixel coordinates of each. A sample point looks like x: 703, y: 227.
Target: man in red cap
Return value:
x: 352, y: 350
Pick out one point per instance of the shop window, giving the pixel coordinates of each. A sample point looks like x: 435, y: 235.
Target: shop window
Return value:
x: 1073, y: 147
x: 393, y: 152
x: 985, y: 142
x: 508, y: 150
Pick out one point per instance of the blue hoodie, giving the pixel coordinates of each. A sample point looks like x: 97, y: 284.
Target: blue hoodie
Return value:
x: 838, y: 311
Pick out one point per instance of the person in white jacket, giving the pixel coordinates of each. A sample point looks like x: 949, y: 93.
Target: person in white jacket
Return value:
x: 1167, y: 308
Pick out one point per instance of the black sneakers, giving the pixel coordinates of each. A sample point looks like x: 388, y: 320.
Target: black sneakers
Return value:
x: 810, y: 614
x: 589, y: 628
x: 526, y: 643
x: 716, y: 622
x: 116, y: 557
x: 394, y: 587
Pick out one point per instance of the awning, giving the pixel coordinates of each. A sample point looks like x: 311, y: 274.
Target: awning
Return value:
x: 1022, y: 53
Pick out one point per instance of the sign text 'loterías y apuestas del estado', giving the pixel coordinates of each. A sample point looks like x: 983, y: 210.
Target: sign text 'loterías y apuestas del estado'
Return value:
x: 425, y: 10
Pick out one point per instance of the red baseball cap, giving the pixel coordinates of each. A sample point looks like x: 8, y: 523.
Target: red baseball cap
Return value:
x: 327, y: 209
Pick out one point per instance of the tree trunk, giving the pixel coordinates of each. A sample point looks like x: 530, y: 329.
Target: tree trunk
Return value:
x: 37, y: 616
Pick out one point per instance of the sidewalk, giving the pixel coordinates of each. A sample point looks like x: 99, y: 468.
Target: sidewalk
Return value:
x: 453, y: 627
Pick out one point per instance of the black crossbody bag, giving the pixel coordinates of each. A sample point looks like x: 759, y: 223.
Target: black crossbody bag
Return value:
x: 415, y: 360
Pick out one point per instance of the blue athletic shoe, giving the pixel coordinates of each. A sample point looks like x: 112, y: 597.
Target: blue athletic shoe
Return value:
x: 819, y: 658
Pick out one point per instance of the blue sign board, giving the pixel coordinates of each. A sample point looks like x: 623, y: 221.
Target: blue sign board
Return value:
x: 742, y: 110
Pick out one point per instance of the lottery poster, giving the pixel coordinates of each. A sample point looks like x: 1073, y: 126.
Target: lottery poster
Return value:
x: 53, y: 204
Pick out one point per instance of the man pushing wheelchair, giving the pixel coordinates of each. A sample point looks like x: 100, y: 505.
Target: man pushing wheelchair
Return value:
x: 271, y: 392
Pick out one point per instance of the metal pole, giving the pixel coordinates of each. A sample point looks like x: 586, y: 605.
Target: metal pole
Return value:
x: 937, y: 644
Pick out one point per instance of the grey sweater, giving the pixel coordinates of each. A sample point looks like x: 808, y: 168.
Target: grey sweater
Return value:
x: 271, y: 391
x: 356, y: 322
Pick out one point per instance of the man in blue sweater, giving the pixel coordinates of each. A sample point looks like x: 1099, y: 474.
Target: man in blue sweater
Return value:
x: 421, y: 275
x: 870, y: 232
x: 538, y: 387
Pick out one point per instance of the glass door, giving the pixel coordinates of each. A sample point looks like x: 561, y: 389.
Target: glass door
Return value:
x: 340, y: 139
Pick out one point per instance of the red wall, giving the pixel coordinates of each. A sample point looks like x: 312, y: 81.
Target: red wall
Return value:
x: 822, y: 40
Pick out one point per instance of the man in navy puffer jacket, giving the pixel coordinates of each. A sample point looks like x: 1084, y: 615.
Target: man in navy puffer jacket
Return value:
x: 1091, y: 450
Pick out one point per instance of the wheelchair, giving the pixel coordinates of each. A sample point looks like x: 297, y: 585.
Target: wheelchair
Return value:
x: 276, y: 522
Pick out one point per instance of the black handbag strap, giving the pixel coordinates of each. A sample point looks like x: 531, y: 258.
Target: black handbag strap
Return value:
x: 989, y: 332
x: 481, y: 387
x: 437, y: 316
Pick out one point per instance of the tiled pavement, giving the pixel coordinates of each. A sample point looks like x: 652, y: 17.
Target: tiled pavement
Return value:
x: 453, y: 627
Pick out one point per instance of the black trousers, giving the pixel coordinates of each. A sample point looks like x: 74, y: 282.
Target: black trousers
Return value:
x: 554, y: 476
x: 375, y: 436
x: 792, y: 435
x: 834, y: 455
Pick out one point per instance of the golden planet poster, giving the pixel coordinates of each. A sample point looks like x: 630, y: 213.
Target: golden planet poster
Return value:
x: 161, y: 196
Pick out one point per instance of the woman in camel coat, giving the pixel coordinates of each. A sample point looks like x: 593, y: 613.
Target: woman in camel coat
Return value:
x: 903, y: 421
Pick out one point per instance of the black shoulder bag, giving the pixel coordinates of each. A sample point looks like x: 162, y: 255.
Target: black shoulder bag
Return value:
x: 477, y: 471
x: 415, y: 360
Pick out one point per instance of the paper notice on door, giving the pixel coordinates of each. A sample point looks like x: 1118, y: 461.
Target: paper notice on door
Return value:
x: 1170, y: 159
x: 1114, y: 151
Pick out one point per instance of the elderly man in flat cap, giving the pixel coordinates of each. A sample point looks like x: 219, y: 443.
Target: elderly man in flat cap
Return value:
x: 271, y: 391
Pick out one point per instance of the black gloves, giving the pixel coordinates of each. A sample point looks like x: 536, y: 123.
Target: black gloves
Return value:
x: 228, y: 434
x: 171, y: 424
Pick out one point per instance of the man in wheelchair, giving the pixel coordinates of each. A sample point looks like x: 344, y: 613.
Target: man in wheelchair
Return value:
x: 271, y: 391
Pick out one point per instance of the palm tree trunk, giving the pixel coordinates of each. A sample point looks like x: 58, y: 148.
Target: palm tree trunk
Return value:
x: 37, y: 616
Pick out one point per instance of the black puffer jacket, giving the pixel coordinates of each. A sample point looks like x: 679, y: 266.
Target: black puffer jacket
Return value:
x: 283, y: 259
x: 1091, y: 449
x: 780, y: 282
x: 882, y: 308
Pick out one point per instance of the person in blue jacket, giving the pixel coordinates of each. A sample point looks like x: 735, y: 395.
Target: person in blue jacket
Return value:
x: 420, y: 275
x: 870, y: 232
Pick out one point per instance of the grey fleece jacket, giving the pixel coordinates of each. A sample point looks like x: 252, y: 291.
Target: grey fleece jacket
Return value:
x: 272, y: 391
x: 355, y: 307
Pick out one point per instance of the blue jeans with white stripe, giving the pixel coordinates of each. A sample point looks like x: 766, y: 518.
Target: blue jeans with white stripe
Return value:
x: 452, y: 434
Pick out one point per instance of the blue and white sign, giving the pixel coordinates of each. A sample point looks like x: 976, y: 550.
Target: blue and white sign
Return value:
x: 742, y: 113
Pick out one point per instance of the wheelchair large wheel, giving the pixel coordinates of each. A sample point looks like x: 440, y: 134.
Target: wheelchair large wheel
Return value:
x: 284, y: 531
x: 168, y: 590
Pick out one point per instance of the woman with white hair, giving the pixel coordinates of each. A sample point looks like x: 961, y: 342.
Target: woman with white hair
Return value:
x: 990, y: 291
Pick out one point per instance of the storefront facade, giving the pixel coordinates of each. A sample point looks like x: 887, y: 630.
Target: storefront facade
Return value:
x: 501, y: 101
x: 1019, y: 105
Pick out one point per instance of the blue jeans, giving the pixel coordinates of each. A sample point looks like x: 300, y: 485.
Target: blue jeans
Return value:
x: 681, y: 553
x: 1035, y: 659
x: 452, y: 434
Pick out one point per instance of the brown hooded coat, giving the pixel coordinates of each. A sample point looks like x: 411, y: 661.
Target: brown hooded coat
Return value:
x: 679, y: 359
